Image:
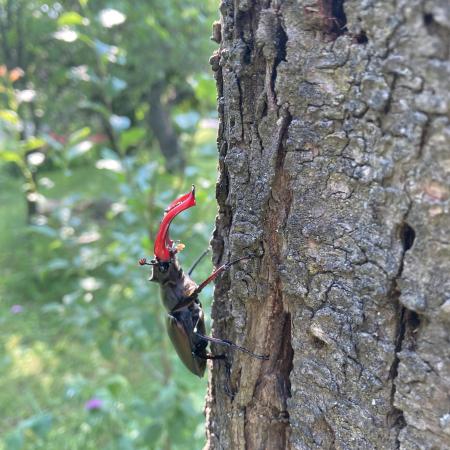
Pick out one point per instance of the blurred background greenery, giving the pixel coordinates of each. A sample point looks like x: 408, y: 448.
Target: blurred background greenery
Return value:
x: 107, y: 113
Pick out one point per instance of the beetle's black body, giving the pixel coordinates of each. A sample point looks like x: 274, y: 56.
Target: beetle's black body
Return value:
x: 185, y: 314
x: 179, y: 293
x: 190, y: 348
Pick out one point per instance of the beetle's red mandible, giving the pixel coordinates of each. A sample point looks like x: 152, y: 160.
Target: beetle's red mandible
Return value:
x: 163, y: 244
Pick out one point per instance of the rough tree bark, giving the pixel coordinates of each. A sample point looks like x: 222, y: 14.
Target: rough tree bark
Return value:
x: 335, y: 170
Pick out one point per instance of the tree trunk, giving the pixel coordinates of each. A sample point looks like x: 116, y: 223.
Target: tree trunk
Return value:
x: 161, y: 125
x: 335, y: 170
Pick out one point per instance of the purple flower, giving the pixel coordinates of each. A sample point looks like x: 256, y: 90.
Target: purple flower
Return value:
x: 16, y: 309
x: 93, y: 404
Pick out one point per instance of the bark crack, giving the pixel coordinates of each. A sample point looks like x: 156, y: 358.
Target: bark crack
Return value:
x: 395, y: 417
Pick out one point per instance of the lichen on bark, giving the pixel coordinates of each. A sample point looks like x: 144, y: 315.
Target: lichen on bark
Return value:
x: 333, y: 169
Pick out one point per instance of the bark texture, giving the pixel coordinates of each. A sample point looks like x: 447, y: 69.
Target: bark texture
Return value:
x: 335, y: 170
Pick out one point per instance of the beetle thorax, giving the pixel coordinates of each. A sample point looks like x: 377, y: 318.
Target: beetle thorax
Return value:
x: 175, y: 285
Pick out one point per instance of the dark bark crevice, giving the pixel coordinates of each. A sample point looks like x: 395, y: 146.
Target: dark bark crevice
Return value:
x: 407, y: 324
x: 328, y: 16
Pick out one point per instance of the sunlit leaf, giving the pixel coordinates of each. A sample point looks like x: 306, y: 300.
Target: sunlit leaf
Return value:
x: 72, y: 18
x: 33, y: 143
x: 111, y: 17
x: 10, y: 157
x: 9, y: 116
x: 79, y: 135
x: 153, y: 23
x: 66, y: 35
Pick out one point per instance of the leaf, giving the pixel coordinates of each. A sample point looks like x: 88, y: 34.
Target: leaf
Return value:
x: 15, y: 440
x: 44, y: 230
x: 132, y: 137
x: 9, y: 116
x: 42, y: 424
x: 152, y: 433
x: 97, y: 107
x: 58, y: 264
x: 106, y: 348
x: 79, y: 135
x: 116, y: 383
x: 33, y: 143
x: 72, y: 18
x: 11, y: 157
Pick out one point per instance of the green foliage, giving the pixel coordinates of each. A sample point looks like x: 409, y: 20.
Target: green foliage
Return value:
x: 86, y: 362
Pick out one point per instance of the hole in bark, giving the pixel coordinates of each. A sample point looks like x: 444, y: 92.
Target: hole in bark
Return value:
x: 317, y: 343
x: 396, y: 419
x: 407, y: 235
x: 329, y: 16
x: 361, y: 37
x: 337, y: 10
x: 428, y: 19
x: 335, y: 17
x: 413, y: 320
x: 282, y: 39
x: 434, y: 28
x: 232, y: 122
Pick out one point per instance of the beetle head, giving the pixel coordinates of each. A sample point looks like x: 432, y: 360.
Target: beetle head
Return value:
x: 165, y: 271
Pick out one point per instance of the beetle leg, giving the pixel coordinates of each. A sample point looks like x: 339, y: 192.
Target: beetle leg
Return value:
x: 197, y: 261
x: 208, y: 356
x: 218, y: 271
x: 229, y: 344
x: 227, y: 388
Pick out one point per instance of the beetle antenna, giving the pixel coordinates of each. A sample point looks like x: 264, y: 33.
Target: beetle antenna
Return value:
x: 144, y: 262
x: 221, y: 269
x: 197, y: 261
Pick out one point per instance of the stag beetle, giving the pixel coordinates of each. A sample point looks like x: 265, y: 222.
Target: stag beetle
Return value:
x: 185, y: 318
